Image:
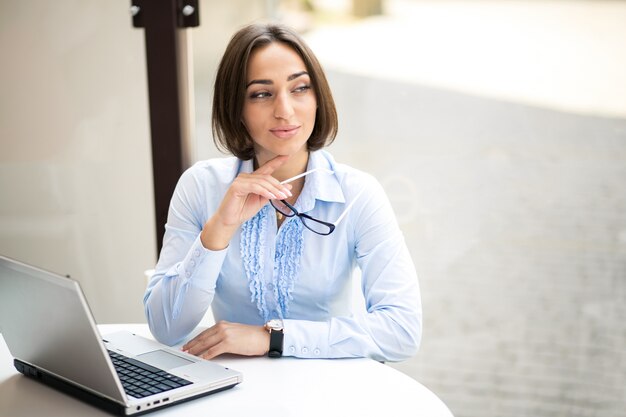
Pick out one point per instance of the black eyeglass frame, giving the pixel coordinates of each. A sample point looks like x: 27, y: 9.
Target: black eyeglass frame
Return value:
x: 302, y: 216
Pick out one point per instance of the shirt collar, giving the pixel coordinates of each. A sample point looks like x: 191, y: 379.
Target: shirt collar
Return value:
x: 245, y: 167
x: 320, y: 184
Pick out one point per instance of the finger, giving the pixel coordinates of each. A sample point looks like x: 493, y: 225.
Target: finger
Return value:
x: 192, y: 347
x: 272, y: 165
x: 194, y: 341
x: 200, y: 339
x: 206, y: 344
x: 190, y: 344
x: 213, y: 352
x: 265, y: 186
x: 276, y: 186
x: 270, y: 191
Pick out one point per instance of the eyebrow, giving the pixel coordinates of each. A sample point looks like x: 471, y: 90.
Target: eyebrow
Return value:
x: 270, y: 82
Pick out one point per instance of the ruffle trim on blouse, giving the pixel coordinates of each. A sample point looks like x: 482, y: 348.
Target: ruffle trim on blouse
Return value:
x: 286, y: 261
x: 252, y: 249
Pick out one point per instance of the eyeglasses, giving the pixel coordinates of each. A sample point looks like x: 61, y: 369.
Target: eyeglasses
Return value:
x: 315, y: 225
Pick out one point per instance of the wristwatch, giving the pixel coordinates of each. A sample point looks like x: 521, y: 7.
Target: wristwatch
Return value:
x: 275, y: 327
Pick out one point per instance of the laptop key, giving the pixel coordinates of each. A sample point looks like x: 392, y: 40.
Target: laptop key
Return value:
x: 172, y: 384
x: 181, y: 381
x: 163, y: 387
x: 141, y: 380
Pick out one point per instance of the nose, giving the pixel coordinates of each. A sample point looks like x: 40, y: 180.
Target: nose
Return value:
x: 283, y: 108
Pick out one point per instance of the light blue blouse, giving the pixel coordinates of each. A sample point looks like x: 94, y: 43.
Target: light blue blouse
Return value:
x: 291, y: 272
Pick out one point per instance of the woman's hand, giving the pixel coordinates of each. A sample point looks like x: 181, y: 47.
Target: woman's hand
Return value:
x: 250, y: 192
x: 225, y: 337
x: 245, y: 197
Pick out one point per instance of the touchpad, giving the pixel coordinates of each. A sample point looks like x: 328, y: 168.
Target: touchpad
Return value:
x: 164, y: 360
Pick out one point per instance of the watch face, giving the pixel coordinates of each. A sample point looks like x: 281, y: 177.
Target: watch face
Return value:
x: 275, y: 324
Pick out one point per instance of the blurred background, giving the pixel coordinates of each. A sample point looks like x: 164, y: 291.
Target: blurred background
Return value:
x: 498, y: 129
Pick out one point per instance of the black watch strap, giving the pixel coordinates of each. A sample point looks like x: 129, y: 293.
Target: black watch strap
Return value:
x: 276, y: 343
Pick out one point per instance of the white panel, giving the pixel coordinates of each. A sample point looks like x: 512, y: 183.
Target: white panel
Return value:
x: 75, y: 166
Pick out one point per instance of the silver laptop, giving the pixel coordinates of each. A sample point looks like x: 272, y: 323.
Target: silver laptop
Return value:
x: 50, y: 331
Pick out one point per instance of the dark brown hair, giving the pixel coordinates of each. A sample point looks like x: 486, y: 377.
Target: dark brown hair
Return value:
x: 229, y: 133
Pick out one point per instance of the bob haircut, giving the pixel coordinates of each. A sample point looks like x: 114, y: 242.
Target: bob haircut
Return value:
x: 229, y: 133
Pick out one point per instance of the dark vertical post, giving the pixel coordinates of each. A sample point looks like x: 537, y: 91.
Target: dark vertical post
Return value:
x: 164, y: 22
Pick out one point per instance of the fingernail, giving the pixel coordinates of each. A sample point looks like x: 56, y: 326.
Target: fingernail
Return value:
x: 289, y: 193
x: 282, y: 195
x: 273, y: 197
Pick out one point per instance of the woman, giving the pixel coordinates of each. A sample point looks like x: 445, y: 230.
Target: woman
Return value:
x: 269, y: 238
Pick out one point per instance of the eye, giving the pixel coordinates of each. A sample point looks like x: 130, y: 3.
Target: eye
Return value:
x: 260, y: 95
x: 302, y: 88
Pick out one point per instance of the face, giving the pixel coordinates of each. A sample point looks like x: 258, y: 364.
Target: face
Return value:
x: 280, y: 105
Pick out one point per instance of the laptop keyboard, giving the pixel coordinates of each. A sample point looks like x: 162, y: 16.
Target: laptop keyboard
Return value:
x: 142, y: 380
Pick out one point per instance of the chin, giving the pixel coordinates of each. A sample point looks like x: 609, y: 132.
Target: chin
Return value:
x: 282, y: 149
x: 286, y: 151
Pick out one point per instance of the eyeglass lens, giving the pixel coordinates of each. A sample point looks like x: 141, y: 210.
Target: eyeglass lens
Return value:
x: 282, y: 208
x: 316, y: 226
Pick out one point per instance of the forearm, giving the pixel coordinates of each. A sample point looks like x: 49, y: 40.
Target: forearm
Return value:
x: 380, y: 335
x: 216, y: 235
x: 173, y: 309
x: 180, y: 292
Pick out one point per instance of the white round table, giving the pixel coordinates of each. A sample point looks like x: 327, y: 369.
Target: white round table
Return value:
x: 271, y: 387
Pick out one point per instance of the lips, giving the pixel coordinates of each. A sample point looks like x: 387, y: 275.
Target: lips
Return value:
x: 285, y: 131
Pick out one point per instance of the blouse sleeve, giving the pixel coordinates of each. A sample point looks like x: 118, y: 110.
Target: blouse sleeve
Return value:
x: 391, y: 328
x: 182, y: 287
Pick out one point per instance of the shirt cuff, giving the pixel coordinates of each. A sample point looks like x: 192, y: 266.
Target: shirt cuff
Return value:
x: 202, y: 266
x: 305, y: 339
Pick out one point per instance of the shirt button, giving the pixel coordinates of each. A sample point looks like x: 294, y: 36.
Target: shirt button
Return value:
x: 317, y: 352
x: 305, y: 350
x: 193, y: 263
x: 188, y: 274
x: 197, y: 253
x: 292, y: 349
x: 270, y: 287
